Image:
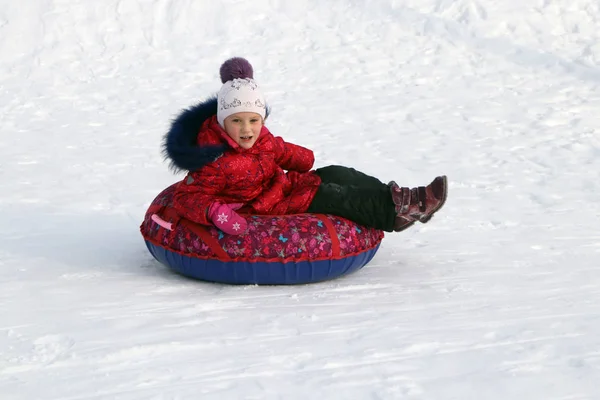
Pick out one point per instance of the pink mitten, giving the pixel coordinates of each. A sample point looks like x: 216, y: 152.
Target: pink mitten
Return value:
x: 226, y: 219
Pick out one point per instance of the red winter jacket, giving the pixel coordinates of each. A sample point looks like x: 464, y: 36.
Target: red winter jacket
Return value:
x: 254, y: 177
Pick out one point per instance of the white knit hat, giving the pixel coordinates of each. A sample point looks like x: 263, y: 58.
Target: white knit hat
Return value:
x: 239, y: 95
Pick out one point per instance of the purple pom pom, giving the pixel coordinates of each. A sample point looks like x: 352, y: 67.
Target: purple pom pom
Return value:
x: 236, y: 67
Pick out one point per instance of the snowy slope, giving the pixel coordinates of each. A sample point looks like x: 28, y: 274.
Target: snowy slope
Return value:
x: 497, y: 298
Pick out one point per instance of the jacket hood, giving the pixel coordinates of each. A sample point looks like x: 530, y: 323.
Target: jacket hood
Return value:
x: 180, y: 144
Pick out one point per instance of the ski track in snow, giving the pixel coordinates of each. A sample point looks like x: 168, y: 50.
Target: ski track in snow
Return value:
x: 496, y: 298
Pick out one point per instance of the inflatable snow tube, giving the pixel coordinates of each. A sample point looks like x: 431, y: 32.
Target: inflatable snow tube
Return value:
x: 275, y: 250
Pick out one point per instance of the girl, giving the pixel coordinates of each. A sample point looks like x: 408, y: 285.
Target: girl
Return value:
x: 236, y: 167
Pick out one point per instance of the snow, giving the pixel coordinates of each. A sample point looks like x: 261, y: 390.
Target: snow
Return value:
x: 498, y: 297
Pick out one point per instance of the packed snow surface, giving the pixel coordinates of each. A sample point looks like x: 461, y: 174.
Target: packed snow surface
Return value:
x: 498, y: 297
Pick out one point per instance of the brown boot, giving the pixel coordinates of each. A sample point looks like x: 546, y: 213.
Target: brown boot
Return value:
x: 402, y: 223
x: 420, y: 203
x: 401, y: 197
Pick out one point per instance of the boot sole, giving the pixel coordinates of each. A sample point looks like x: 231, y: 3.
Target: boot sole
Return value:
x: 444, y: 196
x: 406, y: 226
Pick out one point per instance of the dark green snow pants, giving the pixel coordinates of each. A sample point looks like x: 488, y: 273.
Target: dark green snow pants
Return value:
x: 349, y: 193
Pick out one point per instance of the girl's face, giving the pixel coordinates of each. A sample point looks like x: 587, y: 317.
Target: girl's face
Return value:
x: 244, y: 128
